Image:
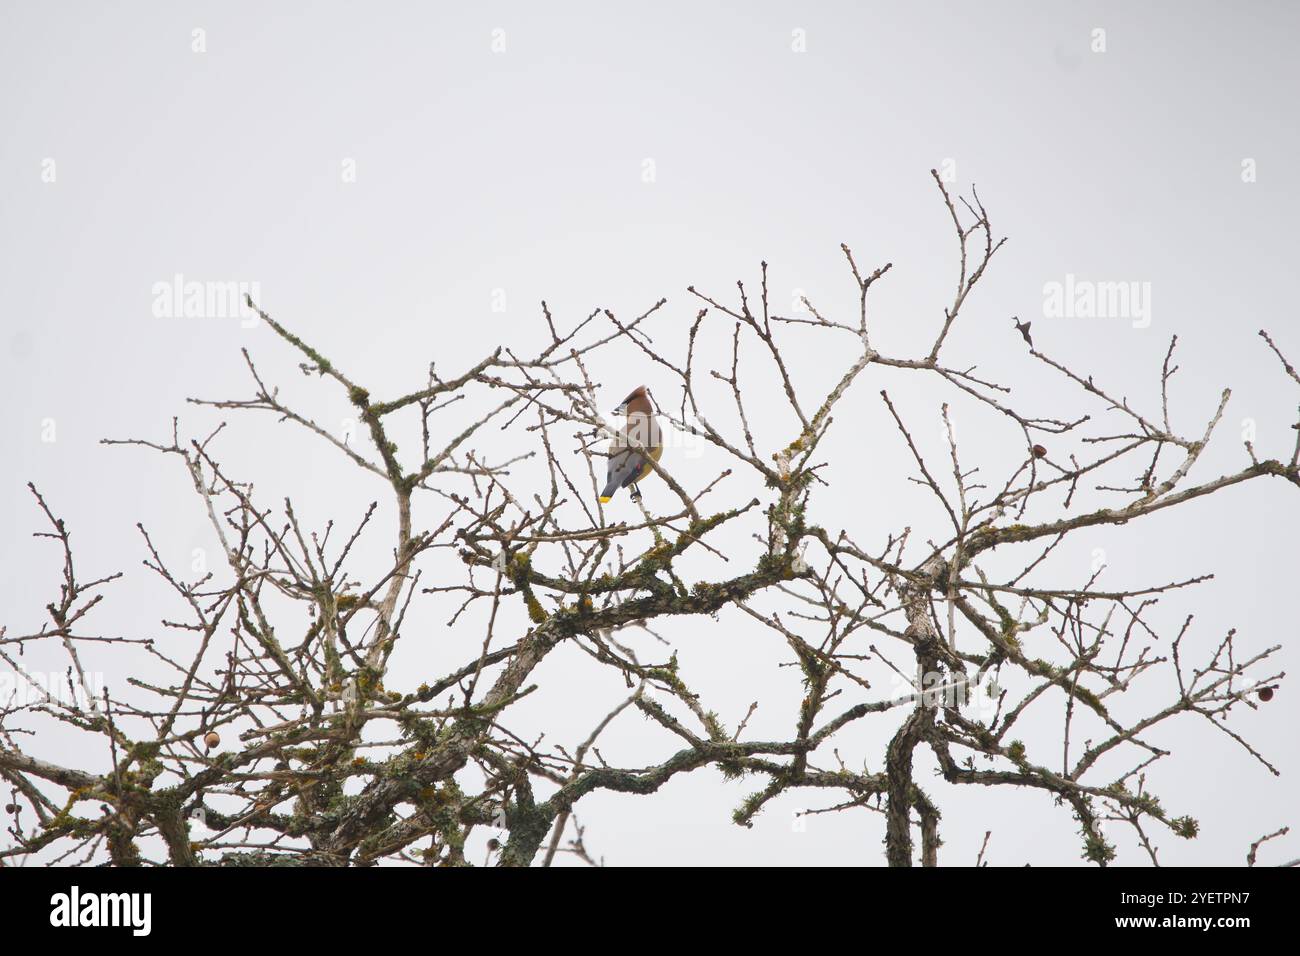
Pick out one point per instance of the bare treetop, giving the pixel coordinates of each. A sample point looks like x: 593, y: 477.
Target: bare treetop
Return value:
x: 289, y: 734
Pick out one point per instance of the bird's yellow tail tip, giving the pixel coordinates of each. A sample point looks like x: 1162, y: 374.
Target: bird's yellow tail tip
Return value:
x: 604, y: 499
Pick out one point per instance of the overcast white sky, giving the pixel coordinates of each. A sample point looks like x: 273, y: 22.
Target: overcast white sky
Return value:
x: 392, y: 174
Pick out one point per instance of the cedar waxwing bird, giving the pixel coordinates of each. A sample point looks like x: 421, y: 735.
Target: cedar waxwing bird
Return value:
x: 628, y: 463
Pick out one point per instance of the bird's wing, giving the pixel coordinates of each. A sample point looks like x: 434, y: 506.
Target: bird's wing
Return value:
x: 628, y: 463
x: 624, y: 467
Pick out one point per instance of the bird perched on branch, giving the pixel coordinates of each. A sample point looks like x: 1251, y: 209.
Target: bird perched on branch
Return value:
x: 639, y: 440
